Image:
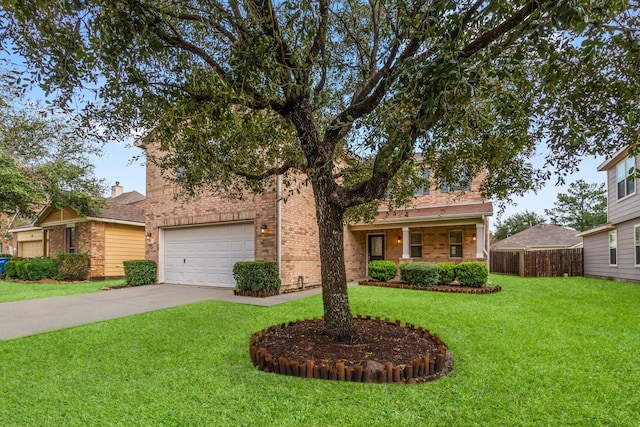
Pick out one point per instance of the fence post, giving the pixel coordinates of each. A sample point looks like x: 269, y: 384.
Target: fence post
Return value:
x: 521, y: 263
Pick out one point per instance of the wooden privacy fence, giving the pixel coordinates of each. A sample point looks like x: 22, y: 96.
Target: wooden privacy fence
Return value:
x: 546, y: 263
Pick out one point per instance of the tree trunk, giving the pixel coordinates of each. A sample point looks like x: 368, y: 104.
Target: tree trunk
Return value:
x: 337, y: 312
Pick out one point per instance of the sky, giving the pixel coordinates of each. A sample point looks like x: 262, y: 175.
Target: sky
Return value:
x: 117, y: 164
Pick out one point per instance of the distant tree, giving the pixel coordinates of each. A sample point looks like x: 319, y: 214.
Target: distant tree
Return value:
x: 582, y: 207
x: 43, y: 160
x: 516, y: 223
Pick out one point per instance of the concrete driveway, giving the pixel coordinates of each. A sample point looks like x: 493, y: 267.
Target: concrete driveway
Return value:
x: 23, y: 318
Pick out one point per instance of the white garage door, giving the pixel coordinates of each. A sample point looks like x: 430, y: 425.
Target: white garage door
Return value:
x: 205, y: 255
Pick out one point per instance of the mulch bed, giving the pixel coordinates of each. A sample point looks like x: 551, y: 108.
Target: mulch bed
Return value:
x: 381, y: 351
x: 255, y: 294
x: 453, y: 288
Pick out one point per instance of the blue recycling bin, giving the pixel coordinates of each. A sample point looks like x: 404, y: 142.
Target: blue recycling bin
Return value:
x: 2, y: 261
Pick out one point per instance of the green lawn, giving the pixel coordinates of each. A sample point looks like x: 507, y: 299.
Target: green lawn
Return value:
x: 541, y: 352
x: 16, y: 291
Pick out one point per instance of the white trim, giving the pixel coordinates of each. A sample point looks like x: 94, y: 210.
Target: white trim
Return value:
x: 636, y: 244
x: 599, y: 229
x: 609, y: 248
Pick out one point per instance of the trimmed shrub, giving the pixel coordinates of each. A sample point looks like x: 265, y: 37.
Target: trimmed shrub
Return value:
x: 474, y: 274
x: 258, y: 276
x: 5, y: 255
x: 421, y: 274
x: 73, y: 266
x: 447, y: 272
x: 382, y: 271
x: 11, y: 267
x: 403, y: 268
x: 40, y: 268
x: 139, y: 272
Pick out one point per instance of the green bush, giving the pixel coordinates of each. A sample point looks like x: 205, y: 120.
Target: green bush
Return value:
x: 259, y: 276
x: 447, y: 272
x: 73, y: 266
x: 40, y: 268
x: 421, y: 273
x: 474, y: 274
x: 11, y: 267
x: 403, y: 268
x: 5, y: 255
x: 382, y: 271
x: 139, y: 272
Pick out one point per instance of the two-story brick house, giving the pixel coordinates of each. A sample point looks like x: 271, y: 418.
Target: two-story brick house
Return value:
x: 612, y: 250
x: 197, y: 241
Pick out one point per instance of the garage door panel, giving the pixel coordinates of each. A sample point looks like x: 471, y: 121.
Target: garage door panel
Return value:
x: 205, y: 255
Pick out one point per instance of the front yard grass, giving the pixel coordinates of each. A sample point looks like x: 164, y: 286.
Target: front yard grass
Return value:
x: 17, y: 291
x: 556, y: 352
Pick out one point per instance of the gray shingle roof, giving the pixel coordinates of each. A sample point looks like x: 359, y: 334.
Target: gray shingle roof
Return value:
x: 541, y: 236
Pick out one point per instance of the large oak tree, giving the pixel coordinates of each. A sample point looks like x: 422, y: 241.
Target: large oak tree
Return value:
x: 237, y: 91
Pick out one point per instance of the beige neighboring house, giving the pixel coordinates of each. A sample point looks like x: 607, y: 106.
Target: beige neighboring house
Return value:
x: 197, y: 241
x: 114, y: 235
x: 540, y: 237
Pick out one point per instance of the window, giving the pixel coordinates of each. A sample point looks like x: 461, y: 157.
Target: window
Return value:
x: 455, y: 243
x: 425, y: 187
x: 626, y: 177
x: 416, y: 244
x: 637, y: 244
x: 70, y: 240
x: 463, y: 185
x: 613, y: 248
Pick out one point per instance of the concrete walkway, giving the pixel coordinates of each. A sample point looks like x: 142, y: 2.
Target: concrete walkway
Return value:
x: 23, y: 318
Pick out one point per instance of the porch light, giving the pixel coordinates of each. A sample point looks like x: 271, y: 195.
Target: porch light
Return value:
x: 148, y: 235
x: 473, y: 237
x: 399, y: 239
x: 263, y: 228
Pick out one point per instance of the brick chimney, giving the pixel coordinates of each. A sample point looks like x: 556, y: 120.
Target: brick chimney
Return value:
x: 116, y: 190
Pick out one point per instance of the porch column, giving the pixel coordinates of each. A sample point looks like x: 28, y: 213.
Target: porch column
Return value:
x: 480, y: 240
x: 405, y: 243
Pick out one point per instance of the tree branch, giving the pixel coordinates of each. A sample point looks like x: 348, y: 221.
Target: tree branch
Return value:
x: 507, y: 25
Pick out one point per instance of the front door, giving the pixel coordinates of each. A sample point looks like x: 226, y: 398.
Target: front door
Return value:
x: 376, y: 247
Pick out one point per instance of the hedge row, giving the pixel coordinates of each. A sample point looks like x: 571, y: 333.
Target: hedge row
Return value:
x: 474, y: 274
x: 140, y: 272
x: 256, y: 276
x: 31, y: 268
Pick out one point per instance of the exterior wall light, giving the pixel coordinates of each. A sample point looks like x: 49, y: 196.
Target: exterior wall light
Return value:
x: 399, y: 239
x: 263, y: 228
x: 473, y: 237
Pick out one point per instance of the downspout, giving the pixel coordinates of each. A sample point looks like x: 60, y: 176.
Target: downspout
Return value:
x: 487, y: 242
x: 279, y: 225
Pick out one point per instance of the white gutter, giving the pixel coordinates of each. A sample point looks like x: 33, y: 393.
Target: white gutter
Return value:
x: 279, y: 225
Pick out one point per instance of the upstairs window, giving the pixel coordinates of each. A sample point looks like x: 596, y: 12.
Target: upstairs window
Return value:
x: 626, y: 177
x: 613, y: 248
x: 425, y: 187
x: 463, y: 185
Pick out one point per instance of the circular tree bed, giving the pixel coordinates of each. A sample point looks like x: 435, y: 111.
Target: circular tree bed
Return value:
x: 380, y: 351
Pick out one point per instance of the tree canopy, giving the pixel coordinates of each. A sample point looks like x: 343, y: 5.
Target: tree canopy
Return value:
x: 42, y: 160
x: 516, y: 223
x: 582, y: 207
x: 239, y: 90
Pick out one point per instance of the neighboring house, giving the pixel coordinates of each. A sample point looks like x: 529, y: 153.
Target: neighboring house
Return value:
x: 114, y: 235
x: 612, y: 250
x: 199, y: 240
x: 540, y: 237
x: 29, y: 241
